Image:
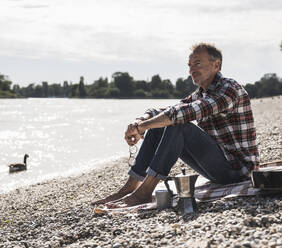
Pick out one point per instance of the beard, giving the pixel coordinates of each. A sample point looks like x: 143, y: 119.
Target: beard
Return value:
x: 194, y: 82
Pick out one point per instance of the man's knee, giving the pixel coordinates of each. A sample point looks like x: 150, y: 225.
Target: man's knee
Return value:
x: 180, y: 128
x: 155, y: 132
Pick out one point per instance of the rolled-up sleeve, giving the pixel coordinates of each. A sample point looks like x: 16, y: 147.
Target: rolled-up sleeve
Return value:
x: 223, y: 99
x: 153, y: 112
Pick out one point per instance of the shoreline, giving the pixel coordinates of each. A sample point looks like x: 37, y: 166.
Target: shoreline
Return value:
x: 57, y: 212
x: 99, y: 165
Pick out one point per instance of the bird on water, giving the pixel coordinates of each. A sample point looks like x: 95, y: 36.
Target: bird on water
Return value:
x: 18, y: 166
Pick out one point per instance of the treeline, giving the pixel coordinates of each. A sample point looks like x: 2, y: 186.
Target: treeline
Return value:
x: 122, y: 85
x: 269, y: 85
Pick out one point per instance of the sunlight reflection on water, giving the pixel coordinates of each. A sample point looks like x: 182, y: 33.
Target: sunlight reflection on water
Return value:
x: 63, y: 136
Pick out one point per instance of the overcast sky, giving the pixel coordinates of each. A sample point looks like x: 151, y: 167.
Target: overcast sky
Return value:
x: 57, y: 40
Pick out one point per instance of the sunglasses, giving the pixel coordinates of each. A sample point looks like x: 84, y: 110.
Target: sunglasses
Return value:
x: 132, y: 155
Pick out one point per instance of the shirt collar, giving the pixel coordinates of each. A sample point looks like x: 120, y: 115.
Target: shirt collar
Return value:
x: 213, y: 84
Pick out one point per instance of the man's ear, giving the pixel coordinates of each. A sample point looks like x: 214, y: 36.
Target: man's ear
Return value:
x: 217, y: 64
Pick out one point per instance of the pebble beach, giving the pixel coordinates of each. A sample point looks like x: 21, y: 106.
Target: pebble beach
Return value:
x: 58, y: 213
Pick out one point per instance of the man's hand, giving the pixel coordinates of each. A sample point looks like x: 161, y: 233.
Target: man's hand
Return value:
x: 131, y: 134
x: 135, y: 131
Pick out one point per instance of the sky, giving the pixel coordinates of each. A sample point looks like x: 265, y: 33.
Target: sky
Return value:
x: 58, y: 40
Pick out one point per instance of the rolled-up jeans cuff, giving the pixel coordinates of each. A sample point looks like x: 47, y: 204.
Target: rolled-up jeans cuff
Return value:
x: 135, y: 175
x: 152, y: 173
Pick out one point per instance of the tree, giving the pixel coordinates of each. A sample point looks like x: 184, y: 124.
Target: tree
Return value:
x: 81, y: 88
x: 124, y: 82
x: 156, y: 82
x: 101, y: 83
x: 268, y: 85
x: 142, y: 85
x: 100, y: 88
x: 4, y: 83
x: 168, y: 86
x: 111, y: 92
x: 16, y: 89
x: 29, y: 90
x: 45, y: 89
x: 161, y: 88
x: 5, y: 87
x: 184, y: 87
x: 271, y: 85
x: 162, y: 94
x: 140, y: 93
x: 74, y: 92
x: 101, y: 92
x: 251, y: 89
x: 38, y: 91
x: 56, y: 90
x: 66, y: 89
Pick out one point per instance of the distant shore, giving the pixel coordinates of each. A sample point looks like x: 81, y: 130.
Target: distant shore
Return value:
x: 57, y: 213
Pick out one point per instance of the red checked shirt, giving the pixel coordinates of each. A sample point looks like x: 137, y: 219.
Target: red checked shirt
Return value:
x: 224, y: 112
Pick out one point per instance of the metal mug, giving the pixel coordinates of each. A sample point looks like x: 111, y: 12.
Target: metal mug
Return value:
x: 164, y: 199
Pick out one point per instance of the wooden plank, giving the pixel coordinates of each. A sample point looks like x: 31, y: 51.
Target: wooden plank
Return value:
x: 271, y: 163
x: 268, y: 178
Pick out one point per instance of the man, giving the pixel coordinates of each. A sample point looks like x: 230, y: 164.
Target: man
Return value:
x: 222, y: 147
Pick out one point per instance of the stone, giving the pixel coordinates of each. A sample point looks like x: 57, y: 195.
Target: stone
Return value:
x: 247, y: 244
x: 117, y: 245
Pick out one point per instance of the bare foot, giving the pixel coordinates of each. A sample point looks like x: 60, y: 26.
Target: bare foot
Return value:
x: 110, y: 198
x: 130, y: 200
x: 142, y: 194
x: 128, y: 188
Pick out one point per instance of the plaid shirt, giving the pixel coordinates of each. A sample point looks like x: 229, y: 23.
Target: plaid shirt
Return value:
x: 224, y: 112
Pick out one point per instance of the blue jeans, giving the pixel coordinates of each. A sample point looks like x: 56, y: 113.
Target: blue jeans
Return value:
x: 163, y: 146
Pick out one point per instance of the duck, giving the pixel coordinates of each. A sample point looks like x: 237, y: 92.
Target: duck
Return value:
x: 18, y: 167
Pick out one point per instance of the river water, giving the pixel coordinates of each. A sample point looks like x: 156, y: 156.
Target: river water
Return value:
x: 63, y: 137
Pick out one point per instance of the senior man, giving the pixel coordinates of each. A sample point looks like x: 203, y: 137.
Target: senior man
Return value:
x: 221, y: 147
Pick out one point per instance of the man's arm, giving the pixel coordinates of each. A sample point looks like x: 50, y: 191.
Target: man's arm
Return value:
x: 158, y: 121
x: 223, y: 99
x: 146, y: 116
x: 136, y: 130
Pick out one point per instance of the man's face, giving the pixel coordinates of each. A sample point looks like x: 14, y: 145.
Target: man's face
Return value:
x: 202, y: 69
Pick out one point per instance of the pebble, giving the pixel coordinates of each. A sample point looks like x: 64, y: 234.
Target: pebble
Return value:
x: 57, y: 213
x: 247, y: 244
x: 116, y: 245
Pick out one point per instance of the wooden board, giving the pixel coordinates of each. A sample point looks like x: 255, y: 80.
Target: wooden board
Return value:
x: 268, y: 178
